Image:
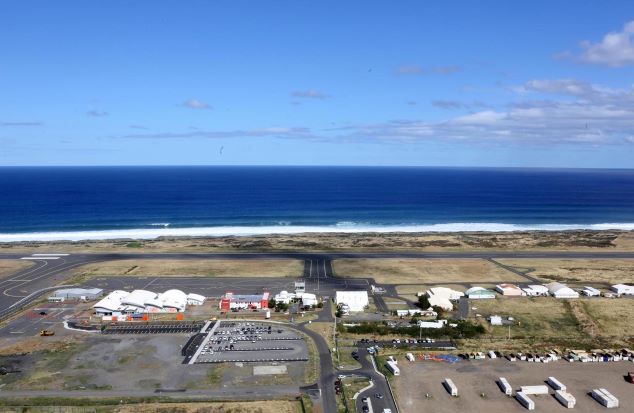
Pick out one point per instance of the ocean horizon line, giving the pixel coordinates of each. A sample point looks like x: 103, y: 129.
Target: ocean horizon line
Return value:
x: 510, y: 167
x: 343, y: 228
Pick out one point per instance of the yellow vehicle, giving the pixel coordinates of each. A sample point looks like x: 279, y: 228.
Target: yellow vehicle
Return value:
x: 46, y: 333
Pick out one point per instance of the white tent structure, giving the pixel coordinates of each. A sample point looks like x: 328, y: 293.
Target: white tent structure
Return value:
x: 142, y: 301
x: 355, y: 300
x: 559, y: 290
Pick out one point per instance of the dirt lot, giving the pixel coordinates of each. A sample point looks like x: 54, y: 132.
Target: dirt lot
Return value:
x: 406, y: 271
x: 531, y: 240
x: 474, y: 378
x: 269, y: 406
x: 8, y: 267
x: 188, y: 268
x: 121, y: 362
x: 578, y: 270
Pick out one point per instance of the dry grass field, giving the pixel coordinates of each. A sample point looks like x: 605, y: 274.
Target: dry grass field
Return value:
x: 613, y: 317
x: 541, y: 317
x: 9, y: 267
x: 196, y: 268
x: 413, y: 271
x: 578, y: 270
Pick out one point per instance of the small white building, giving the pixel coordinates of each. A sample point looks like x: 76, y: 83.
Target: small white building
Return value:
x: 432, y: 324
x: 536, y: 290
x: 623, y: 289
x: 495, y: 320
x: 195, y: 299
x: 355, y: 300
x: 559, y: 290
x: 590, y: 292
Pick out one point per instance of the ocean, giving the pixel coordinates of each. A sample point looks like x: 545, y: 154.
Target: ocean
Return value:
x: 72, y: 203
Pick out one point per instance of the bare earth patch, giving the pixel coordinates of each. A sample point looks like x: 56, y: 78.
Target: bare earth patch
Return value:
x: 197, y: 268
x: 268, y: 406
x: 9, y: 267
x: 412, y: 271
x: 611, y: 271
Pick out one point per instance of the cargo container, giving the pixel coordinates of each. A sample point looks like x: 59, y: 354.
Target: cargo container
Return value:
x: 607, y: 400
x: 556, y: 384
x: 492, y: 355
x: 538, y: 389
x: 610, y: 396
x: 566, y: 399
x: 451, y: 388
x: 391, y: 366
x: 410, y: 356
x: 505, y: 386
x: 525, y: 400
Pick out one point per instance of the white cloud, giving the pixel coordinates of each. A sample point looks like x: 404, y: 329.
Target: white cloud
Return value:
x: 196, y: 104
x: 309, y: 94
x: 616, y: 49
x: 272, y: 132
x: 409, y: 70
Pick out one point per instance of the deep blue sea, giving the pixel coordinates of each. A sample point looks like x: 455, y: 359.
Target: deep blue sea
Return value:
x: 105, y: 202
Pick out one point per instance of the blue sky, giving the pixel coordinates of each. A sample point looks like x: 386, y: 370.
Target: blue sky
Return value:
x: 495, y: 83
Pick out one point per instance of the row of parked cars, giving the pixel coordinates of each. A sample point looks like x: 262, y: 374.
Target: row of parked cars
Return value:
x: 553, y: 355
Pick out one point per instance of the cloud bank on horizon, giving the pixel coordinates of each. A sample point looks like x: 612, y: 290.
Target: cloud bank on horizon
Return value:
x: 454, y: 89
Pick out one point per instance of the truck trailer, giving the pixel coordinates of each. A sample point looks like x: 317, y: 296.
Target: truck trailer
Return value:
x: 451, y: 387
x: 525, y: 400
x: 566, y: 399
x: 505, y: 386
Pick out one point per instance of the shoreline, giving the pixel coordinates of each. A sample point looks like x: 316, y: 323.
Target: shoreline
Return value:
x: 292, y: 230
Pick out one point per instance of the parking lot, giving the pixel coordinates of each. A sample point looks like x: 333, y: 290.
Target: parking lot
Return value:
x: 419, y: 386
x: 242, y: 341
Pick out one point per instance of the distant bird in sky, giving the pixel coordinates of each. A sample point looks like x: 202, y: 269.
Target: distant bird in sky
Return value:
x: 221, y: 149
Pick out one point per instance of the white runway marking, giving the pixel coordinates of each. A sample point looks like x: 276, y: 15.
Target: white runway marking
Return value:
x: 40, y: 258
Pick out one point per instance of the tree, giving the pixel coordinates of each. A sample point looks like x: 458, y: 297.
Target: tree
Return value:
x: 338, y: 313
x: 272, y: 303
x: 423, y: 302
x: 439, y: 310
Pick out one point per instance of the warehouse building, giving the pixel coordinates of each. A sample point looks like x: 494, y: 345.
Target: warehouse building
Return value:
x: 305, y: 298
x: 84, y: 294
x: 509, y: 290
x: 231, y: 301
x: 479, y: 293
x: 354, y: 300
x: 623, y: 289
x: 121, y: 302
x: 536, y: 290
x: 442, y: 297
x: 590, y: 291
x: 559, y: 290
